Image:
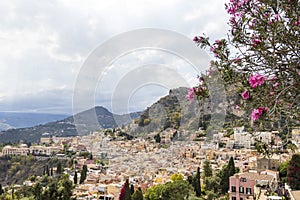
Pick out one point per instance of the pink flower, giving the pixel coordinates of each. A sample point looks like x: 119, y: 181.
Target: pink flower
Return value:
x: 256, y: 113
x: 245, y: 95
x: 218, y: 42
x: 276, y: 85
x: 196, y: 39
x: 252, y: 23
x: 232, y: 10
x: 237, y: 107
x: 256, y: 41
x: 256, y: 80
x: 190, y: 95
x: 232, y: 21
x: 276, y: 17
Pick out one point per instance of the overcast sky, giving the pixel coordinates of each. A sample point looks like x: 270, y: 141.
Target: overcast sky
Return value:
x: 44, y: 44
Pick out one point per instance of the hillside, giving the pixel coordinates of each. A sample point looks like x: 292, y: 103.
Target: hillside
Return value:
x: 66, y: 127
x: 15, y: 170
x: 175, y: 111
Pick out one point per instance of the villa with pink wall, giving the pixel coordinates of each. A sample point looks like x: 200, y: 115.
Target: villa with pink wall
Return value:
x: 242, y: 185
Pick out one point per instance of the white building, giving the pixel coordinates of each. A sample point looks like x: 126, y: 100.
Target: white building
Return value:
x: 9, y: 150
x: 246, y: 139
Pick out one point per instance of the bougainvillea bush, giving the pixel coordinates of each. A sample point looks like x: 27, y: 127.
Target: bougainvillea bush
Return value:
x: 260, y: 59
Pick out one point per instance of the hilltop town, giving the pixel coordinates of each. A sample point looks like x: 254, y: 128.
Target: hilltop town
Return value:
x: 110, y: 158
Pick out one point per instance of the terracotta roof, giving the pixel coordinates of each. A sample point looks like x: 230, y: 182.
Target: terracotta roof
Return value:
x: 255, y: 176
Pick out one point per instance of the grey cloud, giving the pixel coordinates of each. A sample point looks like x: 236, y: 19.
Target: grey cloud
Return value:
x: 44, y: 43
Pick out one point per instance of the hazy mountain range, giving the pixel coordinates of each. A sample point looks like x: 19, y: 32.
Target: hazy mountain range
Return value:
x: 170, y: 111
x: 9, y: 120
x: 66, y: 127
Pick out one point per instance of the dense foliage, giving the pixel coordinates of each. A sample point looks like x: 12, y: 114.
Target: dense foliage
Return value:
x: 16, y: 169
x: 293, y: 172
x: 259, y: 60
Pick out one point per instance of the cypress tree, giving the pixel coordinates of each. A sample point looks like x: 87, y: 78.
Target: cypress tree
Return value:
x: 231, y: 167
x: 83, y: 174
x: 138, y: 195
x: 207, y: 169
x: 75, y: 178
x: 224, y: 183
x: 197, y: 183
x: 59, y: 168
x: 47, y: 170
x: 227, y: 171
x: 125, y: 192
x: 157, y: 138
x: 131, y: 189
x: 1, y: 190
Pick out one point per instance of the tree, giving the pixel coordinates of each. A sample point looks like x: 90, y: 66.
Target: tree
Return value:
x: 157, y: 138
x: 13, y: 192
x: 207, y: 169
x: 212, y: 184
x: 155, y: 192
x: 59, y: 168
x: 51, y: 191
x: 47, y: 170
x: 176, y: 177
x: 32, y: 178
x: 125, y: 191
x: 231, y: 167
x: 37, y: 190
x: 225, y: 173
x: 196, y: 183
x: 83, y: 174
x: 211, y: 195
x: 293, y: 172
x: 176, y: 190
x: 138, y: 195
x: 283, y: 171
x: 1, y: 190
x: 75, y: 178
x: 131, y: 189
x: 259, y: 60
x: 65, y: 187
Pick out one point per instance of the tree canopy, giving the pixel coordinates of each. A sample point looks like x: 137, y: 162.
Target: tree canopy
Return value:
x: 259, y: 60
x: 293, y: 172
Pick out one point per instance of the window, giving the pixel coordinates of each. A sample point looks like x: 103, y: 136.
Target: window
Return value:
x: 248, y: 191
x: 233, y: 198
x: 243, y: 180
x: 241, y: 189
x: 233, y: 189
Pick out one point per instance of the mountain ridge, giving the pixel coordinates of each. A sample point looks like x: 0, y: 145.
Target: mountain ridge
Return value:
x: 9, y: 120
x: 66, y: 126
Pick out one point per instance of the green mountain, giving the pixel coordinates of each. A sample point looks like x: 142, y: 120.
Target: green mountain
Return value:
x: 175, y: 111
x: 93, y: 119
